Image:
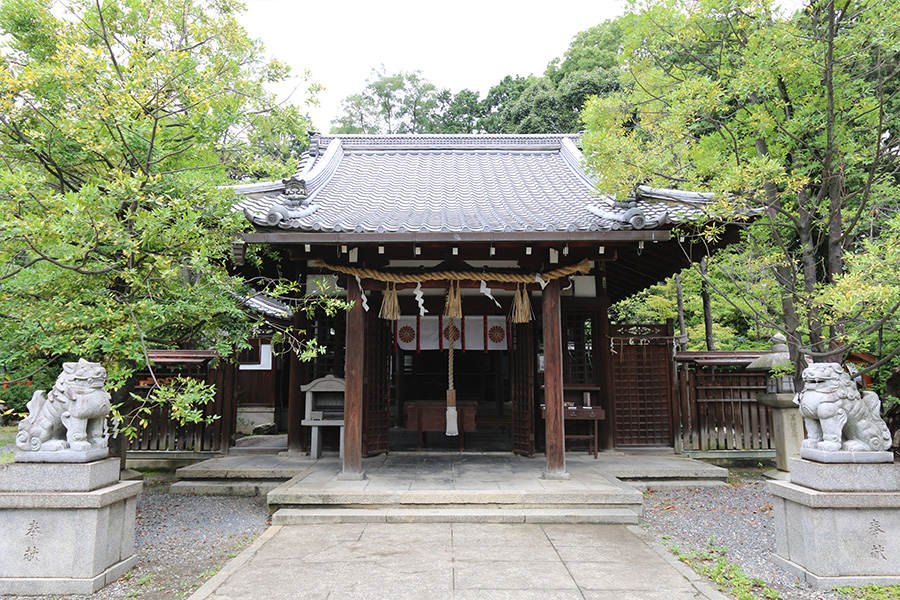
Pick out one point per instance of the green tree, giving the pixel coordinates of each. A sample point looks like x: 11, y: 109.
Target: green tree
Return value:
x: 458, y: 113
x: 390, y: 103
x: 592, y: 49
x: 117, y: 119
x: 790, y: 118
x: 502, y: 95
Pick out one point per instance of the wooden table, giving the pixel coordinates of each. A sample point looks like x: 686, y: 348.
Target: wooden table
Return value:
x: 426, y: 415
x: 583, y: 413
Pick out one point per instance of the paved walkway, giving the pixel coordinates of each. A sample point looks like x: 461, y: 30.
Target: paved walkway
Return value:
x: 455, y: 561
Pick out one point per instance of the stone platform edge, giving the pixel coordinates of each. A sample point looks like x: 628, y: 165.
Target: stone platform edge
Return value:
x: 54, y: 477
x: 54, y: 586
x: 825, y: 582
x: 817, y: 499
x: 845, y: 477
x: 93, y: 499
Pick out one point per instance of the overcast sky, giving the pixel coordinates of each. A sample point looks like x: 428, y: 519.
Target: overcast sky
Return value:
x: 456, y: 44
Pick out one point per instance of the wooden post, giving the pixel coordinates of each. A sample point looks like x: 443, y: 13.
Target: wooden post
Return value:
x: 353, y: 389
x: 553, y: 383
x: 606, y: 382
x: 295, y: 396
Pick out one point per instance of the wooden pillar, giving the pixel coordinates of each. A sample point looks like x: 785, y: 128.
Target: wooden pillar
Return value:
x: 604, y: 357
x: 553, y: 383
x: 353, y: 389
x: 295, y: 396
x: 608, y: 425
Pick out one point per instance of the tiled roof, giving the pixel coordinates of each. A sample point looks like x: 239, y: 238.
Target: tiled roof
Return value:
x: 267, y: 305
x: 452, y: 183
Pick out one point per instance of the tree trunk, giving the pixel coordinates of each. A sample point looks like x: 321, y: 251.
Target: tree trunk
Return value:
x: 785, y: 279
x: 707, y: 308
x: 810, y: 278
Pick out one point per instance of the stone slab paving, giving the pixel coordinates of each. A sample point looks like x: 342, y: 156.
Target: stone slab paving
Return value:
x: 455, y: 473
x: 458, y: 561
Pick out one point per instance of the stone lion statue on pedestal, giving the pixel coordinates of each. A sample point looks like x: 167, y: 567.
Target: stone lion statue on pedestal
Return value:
x: 71, y: 416
x: 837, y: 417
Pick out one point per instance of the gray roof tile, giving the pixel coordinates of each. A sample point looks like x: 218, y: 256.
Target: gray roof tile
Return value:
x: 454, y: 183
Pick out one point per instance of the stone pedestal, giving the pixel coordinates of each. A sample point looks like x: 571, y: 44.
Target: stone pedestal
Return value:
x: 837, y: 524
x: 787, y: 425
x: 66, y: 528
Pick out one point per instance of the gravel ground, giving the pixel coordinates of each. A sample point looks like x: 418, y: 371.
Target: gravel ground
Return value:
x: 738, y: 516
x: 181, y: 541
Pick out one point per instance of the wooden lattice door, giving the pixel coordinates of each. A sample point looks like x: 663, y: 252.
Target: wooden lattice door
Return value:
x: 643, y: 376
x: 377, y: 386
x: 522, y: 368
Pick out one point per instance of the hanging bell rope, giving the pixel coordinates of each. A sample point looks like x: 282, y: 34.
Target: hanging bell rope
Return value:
x: 521, y: 311
x: 390, y: 306
x: 452, y: 416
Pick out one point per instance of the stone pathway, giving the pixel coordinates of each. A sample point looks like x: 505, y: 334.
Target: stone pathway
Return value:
x: 456, y: 561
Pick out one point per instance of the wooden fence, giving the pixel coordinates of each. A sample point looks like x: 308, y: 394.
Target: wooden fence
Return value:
x: 162, y: 433
x: 717, y: 409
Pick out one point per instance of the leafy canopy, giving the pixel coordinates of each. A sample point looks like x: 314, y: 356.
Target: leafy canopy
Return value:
x: 117, y: 120
x: 792, y: 119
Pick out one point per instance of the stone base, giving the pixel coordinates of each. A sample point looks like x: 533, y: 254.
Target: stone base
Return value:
x: 65, y: 542
x: 48, y: 587
x: 846, y: 457
x: 827, y: 583
x: 58, y: 477
x: 835, y: 538
x: 845, y: 477
x: 62, y: 456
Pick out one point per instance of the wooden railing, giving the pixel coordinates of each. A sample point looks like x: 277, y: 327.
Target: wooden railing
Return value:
x: 164, y: 434
x: 718, y: 410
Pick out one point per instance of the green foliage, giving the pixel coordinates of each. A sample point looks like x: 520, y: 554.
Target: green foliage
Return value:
x: 728, y: 576
x: 184, y: 397
x: 7, y: 438
x: 16, y: 395
x: 735, y: 308
x: 408, y: 103
x: 592, y: 49
x: 117, y: 120
x: 391, y: 103
x: 872, y: 592
x: 790, y: 119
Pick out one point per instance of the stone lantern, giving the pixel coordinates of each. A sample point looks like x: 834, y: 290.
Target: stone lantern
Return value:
x: 787, y: 423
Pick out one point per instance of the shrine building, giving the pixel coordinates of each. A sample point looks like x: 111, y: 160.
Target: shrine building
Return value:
x: 481, y: 269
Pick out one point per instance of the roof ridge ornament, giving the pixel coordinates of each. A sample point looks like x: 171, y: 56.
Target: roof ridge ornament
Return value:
x: 294, y: 202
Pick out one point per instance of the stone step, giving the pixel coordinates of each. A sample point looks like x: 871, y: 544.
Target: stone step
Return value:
x: 286, y: 496
x: 271, y: 472
x: 257, y: 451
x: 665, y: 485
x: 481, y: 514
x: 241, y: 487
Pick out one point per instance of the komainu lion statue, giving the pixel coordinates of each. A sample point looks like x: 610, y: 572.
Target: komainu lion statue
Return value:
x: 71, y: 416
x: 837, y: 417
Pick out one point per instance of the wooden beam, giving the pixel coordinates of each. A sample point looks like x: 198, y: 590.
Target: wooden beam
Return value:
x: 295, y: 396
x: 353, y: 389
x: 458, y: 238
x: 553, y: 384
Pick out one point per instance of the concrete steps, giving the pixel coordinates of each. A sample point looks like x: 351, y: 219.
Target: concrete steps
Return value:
x: 298, y: 502
x: 665, y: 485
x: 483, y: 514
x: 236, y: 487
x: 238, y: 476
